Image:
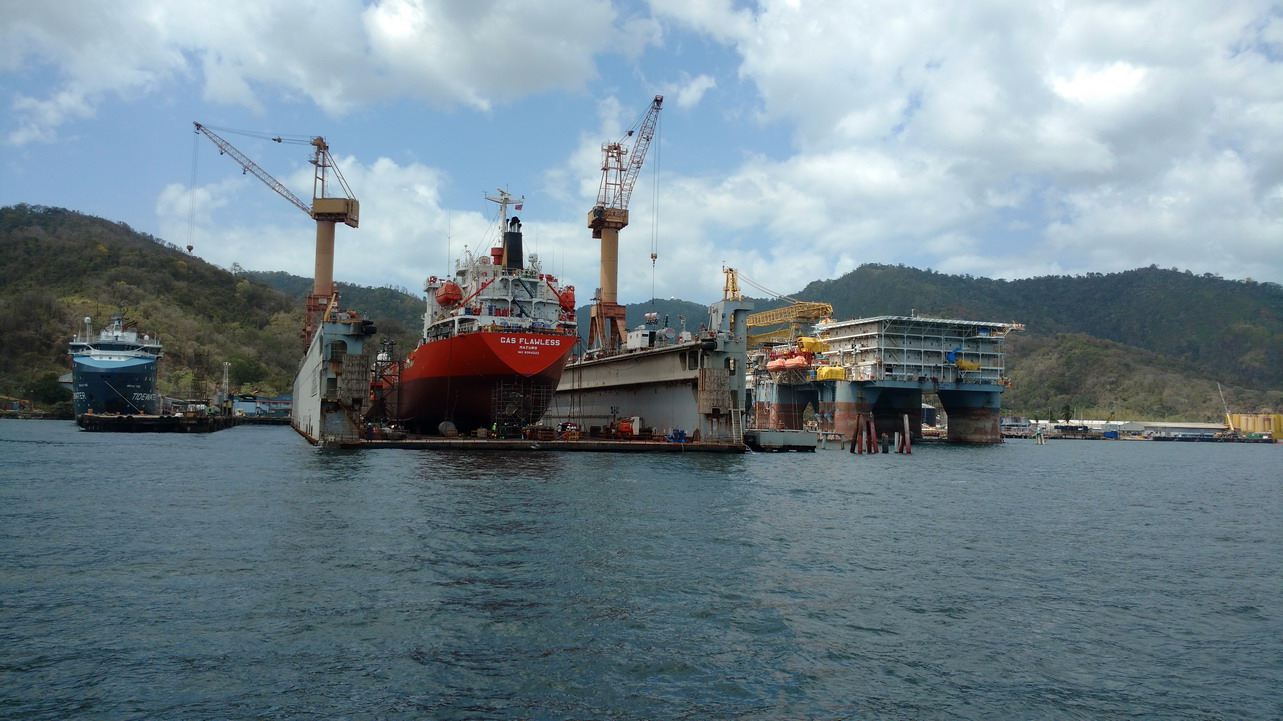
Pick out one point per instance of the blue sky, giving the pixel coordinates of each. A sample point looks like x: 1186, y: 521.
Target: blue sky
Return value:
x: 798, y: 138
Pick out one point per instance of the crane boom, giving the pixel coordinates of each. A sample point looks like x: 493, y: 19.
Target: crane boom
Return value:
x: 801, y: 311
x: 621, y: 166
x: 252, y: 167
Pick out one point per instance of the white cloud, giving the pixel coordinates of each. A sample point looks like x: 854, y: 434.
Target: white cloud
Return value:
x: 1115, y: 81
x: 40, y: 117
x: 337, y: 56
x: 690, y: 91
x: 716, y: 18
x: 1203, y: 213
x: 927, y: 128
x: 985, y: 137
x: 476, y: 53
x: 94, y: 50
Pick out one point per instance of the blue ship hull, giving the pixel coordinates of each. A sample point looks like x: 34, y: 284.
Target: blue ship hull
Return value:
x: 126, y: 387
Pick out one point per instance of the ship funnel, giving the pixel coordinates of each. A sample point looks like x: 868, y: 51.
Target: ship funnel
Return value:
x: 512, y: 255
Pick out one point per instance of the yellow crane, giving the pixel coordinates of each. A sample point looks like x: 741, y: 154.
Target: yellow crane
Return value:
x: 326, y: 210
x: 619, y: 169
x: 1229, y: 420
x: 795, y: 319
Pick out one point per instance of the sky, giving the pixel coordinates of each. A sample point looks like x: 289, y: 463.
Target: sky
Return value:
x: 798, y: 139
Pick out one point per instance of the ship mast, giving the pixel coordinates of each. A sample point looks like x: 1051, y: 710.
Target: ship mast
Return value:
x: 504, y: 199
x: 510, y: 243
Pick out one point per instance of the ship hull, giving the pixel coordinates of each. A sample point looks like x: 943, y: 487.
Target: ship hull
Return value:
x: 125, y: 387
x: 481, y: 380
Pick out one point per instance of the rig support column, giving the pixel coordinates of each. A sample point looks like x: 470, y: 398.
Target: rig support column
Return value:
x: 973, y: 415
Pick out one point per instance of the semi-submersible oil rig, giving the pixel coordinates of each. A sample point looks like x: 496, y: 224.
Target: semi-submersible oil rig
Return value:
x: 848, y: 373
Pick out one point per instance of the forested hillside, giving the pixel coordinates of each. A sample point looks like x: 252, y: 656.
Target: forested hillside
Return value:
x: 1145, y: 344
x: 60, y: 266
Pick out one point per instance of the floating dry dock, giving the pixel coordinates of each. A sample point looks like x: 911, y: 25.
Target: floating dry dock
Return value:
x: 592, y: 445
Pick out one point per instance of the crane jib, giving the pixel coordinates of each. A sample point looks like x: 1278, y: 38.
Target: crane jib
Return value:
x: 339, y: 210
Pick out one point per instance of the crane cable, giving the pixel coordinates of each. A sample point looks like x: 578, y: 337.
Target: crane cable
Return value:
x: 191, y: 194
x: 277, y: 138
x: 654, y: 210
x: 764, y: 289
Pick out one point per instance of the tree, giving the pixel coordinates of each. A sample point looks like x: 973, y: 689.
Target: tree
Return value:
x: 46, y: 391
x: 243, y: 371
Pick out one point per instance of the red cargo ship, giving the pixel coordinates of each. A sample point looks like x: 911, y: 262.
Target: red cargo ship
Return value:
x: 496, y: 338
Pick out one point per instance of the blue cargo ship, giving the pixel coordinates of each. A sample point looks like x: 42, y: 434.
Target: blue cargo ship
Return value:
x: 115, y: 371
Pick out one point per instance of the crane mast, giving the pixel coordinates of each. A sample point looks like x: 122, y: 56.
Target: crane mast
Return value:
x: 325, y: 210
x: 619, y: 170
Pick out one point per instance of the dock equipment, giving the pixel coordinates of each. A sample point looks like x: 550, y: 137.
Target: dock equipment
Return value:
x: 619, y: 169
x: 326, y: 210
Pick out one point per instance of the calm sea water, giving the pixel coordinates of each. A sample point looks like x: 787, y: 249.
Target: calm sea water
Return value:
x: 247, y: 575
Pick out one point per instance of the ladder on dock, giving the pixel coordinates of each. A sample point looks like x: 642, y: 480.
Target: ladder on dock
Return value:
x: 737, y: 421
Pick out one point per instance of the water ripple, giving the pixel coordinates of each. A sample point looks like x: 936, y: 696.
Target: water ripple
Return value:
x: 245, y: 575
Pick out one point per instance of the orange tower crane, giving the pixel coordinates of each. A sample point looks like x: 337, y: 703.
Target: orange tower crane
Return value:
x: 325, y: 210
x: 619, y: 169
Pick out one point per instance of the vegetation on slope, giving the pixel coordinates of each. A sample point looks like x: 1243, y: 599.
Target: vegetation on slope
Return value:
x: 397, y: 314
x: 1101, y: 379
x: 61, y: 266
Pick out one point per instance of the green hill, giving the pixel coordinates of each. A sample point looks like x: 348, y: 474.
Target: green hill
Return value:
x: 60, y: 266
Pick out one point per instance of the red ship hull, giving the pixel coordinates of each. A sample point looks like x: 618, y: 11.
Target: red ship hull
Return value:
x: 476, y: 380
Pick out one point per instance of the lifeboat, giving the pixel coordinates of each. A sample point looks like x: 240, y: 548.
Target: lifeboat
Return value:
x: 567, y: 299
x: 775, y: 365
x: 796, y: 362
x: 449, y: 294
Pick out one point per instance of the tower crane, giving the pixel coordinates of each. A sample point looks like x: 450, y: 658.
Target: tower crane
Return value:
x: 619, y: 169
x: 325, y: 210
